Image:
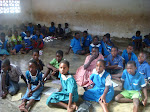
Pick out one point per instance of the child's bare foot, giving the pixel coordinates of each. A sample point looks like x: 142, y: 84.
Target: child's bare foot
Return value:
x: 22, y: 105
x: 74, y: 106
x: 4, y: 95
x: 23, y: 109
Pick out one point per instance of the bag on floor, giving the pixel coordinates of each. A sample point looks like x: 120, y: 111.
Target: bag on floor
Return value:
x: 85, y: 107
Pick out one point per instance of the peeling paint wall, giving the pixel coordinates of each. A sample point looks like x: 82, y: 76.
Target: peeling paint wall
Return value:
x: 121, y: 18
x: 16, y: 19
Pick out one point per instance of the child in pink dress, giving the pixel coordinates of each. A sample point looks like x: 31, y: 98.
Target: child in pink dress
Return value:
x: 83, y: 73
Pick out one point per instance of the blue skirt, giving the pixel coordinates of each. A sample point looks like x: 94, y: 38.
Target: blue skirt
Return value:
x: 17, y: 47
x: 35, y: 95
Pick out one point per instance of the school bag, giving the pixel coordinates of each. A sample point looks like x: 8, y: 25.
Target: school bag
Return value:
x: 85, y: 107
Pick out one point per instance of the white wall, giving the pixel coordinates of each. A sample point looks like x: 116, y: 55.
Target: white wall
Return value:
x: 18, y: 18
x: 121, y: 18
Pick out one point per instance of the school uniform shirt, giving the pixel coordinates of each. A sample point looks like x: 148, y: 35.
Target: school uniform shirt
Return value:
x: 133, y: 82
x: 106, y: 48
x: 14, y: 73
x: 87, y: 41
x: 55, y: 63
x: 52, y: 29
x: 126, y: 58
x: 136, y: 38
x: 147, y: 41
x: 92, y: 45
x: 30, y: 29
x: 59, y: 31
x: 143, y: 68
x: 117, y: 61
x: 27, y: 41
x: 75, y: 44
x: 35, y: 37
x: 67, y: 30
x: 23, y: 34
x: 13, y: 39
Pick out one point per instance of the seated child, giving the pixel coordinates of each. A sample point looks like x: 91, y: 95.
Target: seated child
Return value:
x: 59, y: 32
x: 16, y: 43
x: 30, y: 28
x: 8, y: 38
x: 86, y: 40
x: 128, y: 54
x: 23, y: 33
x: 95, y: 43
x: 106, y: 45
x: 3, y: 45
x: 44, y: 31
x: 143, y: 67
x: 10, y: 78
x: 114, y: 63
x: 28, y: 44
x: 35, y: 87
x: 83, y: 72
x: 102, y: 91
x: 137, y: 41
x: 68, y: 94
x: 35, y: 56
x: 52, y: 29
x: 146, y: 42
x: 132, y: 82
x: 75, y: 45
x: 37, y: 41
x: 53, y: 66
x: 67, y: 31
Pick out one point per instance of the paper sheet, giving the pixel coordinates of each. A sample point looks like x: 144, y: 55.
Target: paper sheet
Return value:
x: 16, y: 97
x: 49, y: 91
x: 115, y: 84
x: 56, y: 82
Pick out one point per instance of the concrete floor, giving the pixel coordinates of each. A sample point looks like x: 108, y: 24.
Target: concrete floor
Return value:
x: 75, y: 61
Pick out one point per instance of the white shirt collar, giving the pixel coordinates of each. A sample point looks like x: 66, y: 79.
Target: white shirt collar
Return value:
x: 65, y: 77
x: 95, y: 45
x: 101, y: 74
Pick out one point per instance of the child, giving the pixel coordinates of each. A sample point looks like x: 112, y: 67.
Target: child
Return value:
x: 95, y: 43
x: 143, y: 67
x: 3, y: 45
x: 133, y: 82
x: 137, y: 41
x: 75, y: 45
x: 30, y: 28
x: 37, y: 41
x: 114, y: 63
x: 106, y: 45
x: 35, y: 56
x: 16, y: 42
x: 86, y: 40
x: 128, y: 54
x: 68, y: 94
x: 146, y: 41
x: 67, y: 31
x: 52, y: 29
x: 83, y: 73
x: 23, y: 33
x: 35, y: 87
x: 103, y: 91
x: 59, y: 32
x: 53, y: 66
x: 28, y: 44
x: 10, y: 78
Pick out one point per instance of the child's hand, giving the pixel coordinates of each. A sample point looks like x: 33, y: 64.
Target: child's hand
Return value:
x: 102, y: 99
x: 30, y: 93
x: 70, y: 109
x: 144, y: 102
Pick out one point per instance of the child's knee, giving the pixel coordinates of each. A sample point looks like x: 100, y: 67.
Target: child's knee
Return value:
x: 117, y: 98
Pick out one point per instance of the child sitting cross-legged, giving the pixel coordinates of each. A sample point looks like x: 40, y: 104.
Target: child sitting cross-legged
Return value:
x: 132, y: 82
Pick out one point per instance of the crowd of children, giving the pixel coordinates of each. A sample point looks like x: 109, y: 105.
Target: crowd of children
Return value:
x: 101, y: 66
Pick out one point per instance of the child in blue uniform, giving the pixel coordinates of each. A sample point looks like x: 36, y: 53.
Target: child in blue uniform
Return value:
x: 103, y: 91
x: 35, y: 86
x: 143, y: 67
x: 52, y: 29
x: 30, y: 28
x: 86, y: 40
x: 95, y: 43
x: 133, y: 82
x: 106, y: 45
x: 76, y: 46
x: 146, y: 41
x: 68, y: 94
x: 128, y: 54
x: 137, y: 41
x: 114, y: 63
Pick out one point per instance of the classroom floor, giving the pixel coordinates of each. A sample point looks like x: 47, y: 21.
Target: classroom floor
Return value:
x: 75, y: 61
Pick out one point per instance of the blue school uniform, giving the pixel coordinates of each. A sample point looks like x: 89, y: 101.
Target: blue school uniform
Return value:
x: 4, y: 49
x: 143, y: 68
x: 75, y: 44
x: 126, y: 58
x: 147, y: 41
x: 30, y: 29
x: 68, y: 86
x: 97, y: 91
x: 28, y: 42
x: 35, y: 37
x: 133, y: 82
x: 106, y: 48
x: 87, y: 41
x: 52, y: 29
x: 136, y: 38
x: 92, y: 45
x: 23, y: 34
x: 117, y: 61
x: 34, y: 81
